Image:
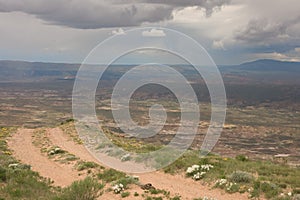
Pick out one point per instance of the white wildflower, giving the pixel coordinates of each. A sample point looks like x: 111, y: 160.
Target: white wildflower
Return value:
x: 206, y: 167
x: 196, y: 176
x: 195, y: 167
x: 118, y: 188
x: 221, y: 182
x: 189, y: 170
x: 14, y: 165
x: 126, y: 157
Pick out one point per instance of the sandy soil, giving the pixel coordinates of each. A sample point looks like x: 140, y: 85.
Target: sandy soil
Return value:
x: 63, y: 175
x: 26, y: 152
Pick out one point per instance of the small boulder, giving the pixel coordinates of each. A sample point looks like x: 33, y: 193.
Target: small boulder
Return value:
x: 148, y: 186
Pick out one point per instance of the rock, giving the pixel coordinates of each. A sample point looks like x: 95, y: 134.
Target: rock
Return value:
x: 52, y: 152
x: 148, y: 186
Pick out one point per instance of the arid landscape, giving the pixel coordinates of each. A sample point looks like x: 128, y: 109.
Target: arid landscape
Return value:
x: 256, y: 157
x: 150, y: 100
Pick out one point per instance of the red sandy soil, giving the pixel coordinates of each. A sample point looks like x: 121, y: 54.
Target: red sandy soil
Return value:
x: 64, y: 175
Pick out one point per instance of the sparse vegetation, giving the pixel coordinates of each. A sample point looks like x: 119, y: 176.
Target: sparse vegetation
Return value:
x: 110, y: 175
x: 240, y: 174
x: 127, y: 180
x: 17, y: 180
x: 125, y: 194
x: 240, y: 177
x: 83, y: 165
x: 87, y: 189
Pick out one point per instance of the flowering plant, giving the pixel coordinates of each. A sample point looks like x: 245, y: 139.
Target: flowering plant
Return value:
x: 118, y: 188
x: 197, y: 172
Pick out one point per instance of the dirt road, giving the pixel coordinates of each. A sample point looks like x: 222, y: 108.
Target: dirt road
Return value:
x: 63, y: 175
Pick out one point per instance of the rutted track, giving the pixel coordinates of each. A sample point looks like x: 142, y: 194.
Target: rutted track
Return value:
x: 26, y: 152
x: 63, y: 175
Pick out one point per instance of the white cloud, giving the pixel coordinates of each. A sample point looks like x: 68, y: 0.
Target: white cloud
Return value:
x: 241, y: 27
x: 278, y: 56
x: 218, y: 44
x: 24, y: 37
x: 219, y: 27
x: 119, y: 31
x: 154, y: 33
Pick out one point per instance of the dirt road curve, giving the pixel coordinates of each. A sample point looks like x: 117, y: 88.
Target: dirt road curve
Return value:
x: 26, y: 152
x: 63, y: 175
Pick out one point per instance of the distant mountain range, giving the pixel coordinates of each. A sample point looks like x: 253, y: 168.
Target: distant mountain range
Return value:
x: 270, y: 65
x: 22, y: 70
x: 246, y: 84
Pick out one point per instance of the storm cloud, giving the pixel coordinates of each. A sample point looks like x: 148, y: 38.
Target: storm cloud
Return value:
x: 262, y: 31
x: 232, y: 31
x: 267, y: 31
x: 91, y: 14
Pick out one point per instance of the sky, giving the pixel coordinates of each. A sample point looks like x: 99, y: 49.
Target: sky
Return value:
x: 232, y: 31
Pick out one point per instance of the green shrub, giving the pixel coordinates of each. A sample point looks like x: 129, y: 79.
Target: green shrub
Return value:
x: 2, y: 174
x: 154, y: 191
x: 71, y: 157
x: 125, y: 181
x: 254, y: 193
x: 87, y: 189
x: 233, y: 188
x: 110, y: 175
x: 86, y: 165
x: 25, y: 184
x: 188, y: 159
x: 242, y: 158
x: 176, y: 198
x: 282, y: 185
x: 240, y: 177
x: 153, y: 198
x: 270, y: 190
x: 125, y: 194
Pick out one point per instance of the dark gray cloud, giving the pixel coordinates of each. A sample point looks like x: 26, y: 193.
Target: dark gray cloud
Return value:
x: 261, y: 31
x: 267, y: 31
x: 92, y: 14
x: 269, y: 38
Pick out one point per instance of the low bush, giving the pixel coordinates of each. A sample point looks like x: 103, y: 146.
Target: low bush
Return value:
x: 110, y: 175
x: 271, y: 190
x: 82, y: 165
x: 2, y: 174
x: 87, y: 189
x: 242, y: 158
x: 125, y: 194
x: 240, y: 177
x: 25, y: 184
x: 125, y: 181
